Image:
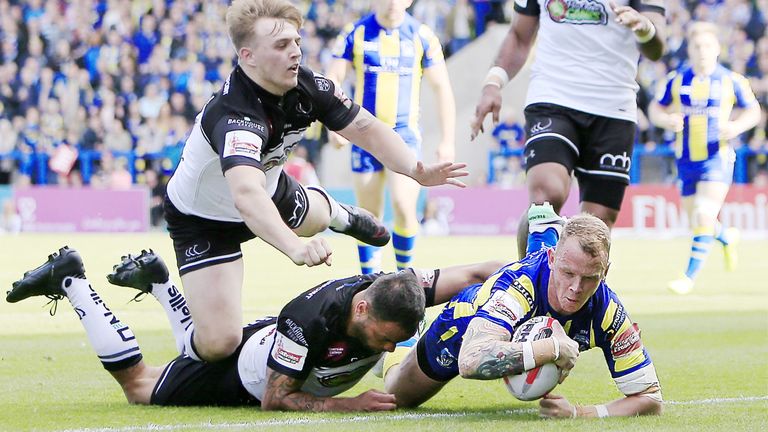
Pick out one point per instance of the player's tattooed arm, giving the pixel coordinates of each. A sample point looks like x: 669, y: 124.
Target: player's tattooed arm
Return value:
x: 284, y: 393
x: 487, y: 353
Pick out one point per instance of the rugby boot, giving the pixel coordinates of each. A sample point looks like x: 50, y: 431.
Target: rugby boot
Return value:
x: 364, y: 226
x: 139, y: 272
x: 681, y: 286
x: 729, y: 250
x: 46, y: 279
x: 542, y: 217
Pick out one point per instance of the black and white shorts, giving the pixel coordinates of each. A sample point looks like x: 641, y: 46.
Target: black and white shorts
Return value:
x: 187, y: 382
x: 201, y: 242
x: 598, y: 149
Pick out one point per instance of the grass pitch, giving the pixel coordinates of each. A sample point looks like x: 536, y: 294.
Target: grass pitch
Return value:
x: 709, y: 348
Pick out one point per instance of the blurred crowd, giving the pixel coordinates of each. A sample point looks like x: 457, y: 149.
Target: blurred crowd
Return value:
x: 101, y: 92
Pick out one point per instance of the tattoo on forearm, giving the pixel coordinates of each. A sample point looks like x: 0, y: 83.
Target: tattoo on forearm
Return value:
x: 486, y: 354
x: 288, y: 392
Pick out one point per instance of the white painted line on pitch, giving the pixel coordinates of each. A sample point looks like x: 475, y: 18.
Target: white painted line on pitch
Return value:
x: 369, y: 418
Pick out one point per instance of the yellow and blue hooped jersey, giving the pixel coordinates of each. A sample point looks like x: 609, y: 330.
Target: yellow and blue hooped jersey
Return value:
x: 388, y: 65
x: 518, y: 292
x: 705, y: 102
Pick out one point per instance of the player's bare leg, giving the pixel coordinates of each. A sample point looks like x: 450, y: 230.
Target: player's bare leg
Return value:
x: 404, y: 193
x: 214, y: 299
x: 369, y: 192
x: 702, y: 209
x: 138, y: 382
x: 550, y: 182
x: 408, y: 383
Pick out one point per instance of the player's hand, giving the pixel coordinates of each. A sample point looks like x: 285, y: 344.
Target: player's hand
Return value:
x: 569, y: 351
x: 673, y: 122
x: 439, y: 174
x: 555, y: 406
x: 446, y: 152
x: 337, y: 140
x: 374, y: 400
x: 314, y: 252
x: 490, y: 102
x: 631, y: 19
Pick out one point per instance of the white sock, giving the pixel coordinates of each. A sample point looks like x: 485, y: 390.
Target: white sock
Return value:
x: 339, y: 215
x: 176, y: 310
x: 189, y: 344
x: 113, y: 341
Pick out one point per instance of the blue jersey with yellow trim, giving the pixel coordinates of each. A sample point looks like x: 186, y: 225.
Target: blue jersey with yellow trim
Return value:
x: 705, y: 102
x: 388, y: 65
x: 518, y: 292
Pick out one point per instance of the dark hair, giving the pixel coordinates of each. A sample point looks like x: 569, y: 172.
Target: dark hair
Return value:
x: 398, y: 298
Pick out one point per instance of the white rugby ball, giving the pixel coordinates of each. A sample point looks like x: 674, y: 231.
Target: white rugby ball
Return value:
x: 535, y: 383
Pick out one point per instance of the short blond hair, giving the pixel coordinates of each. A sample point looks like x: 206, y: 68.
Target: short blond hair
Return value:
x: 243, y: 14
x: 593, y: 235
x: 701, y: 27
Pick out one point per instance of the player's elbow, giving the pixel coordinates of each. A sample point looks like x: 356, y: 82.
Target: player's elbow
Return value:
x: 271, y: 403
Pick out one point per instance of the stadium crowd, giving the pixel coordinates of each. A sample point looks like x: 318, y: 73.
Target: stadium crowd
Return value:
x: 100, y: 91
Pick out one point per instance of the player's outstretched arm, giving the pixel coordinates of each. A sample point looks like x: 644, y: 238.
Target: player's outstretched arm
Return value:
x: 513, y: 54
x: 383, y: 142
x: 487, y: 352
x: 648, y: 402
x: 248, y: 187
x: 455, y: 278
x: 284, y: 393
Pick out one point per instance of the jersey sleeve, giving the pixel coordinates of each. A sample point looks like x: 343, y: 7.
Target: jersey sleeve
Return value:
x: 742, y: 92
x: 665, y: 95
x: 295, y: 347
x: 239, y: 140
x: 433, y: 51
x: 510, y: 299
x: 345, y: 41
x: 335, y: 110
x: 527, y: 7
x: 627, y: 359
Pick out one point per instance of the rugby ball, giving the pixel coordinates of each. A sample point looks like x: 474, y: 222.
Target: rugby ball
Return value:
x: 535, y: 383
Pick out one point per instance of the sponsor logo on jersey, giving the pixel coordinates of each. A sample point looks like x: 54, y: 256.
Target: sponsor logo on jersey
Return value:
x: 246, y: 122
x: 322, y: 83
x: 242, y: 143
x: 288, y: 353
x: 295, y: 331
x: 627, y: 342
x: 502, y: 306
x: 268, y: 336
x: 613, y: 161
x: 340, y: 95
x: 299, y: 209
x: 618, y: 319
x: 577, y: 12
x: 336, y: 351
x: 521, y: 289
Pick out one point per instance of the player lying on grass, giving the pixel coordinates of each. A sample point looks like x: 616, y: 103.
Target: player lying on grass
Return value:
x: 561, y: 278
x: 320, y: 345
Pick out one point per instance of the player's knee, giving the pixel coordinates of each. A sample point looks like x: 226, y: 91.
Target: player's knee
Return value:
x: 219, y: 347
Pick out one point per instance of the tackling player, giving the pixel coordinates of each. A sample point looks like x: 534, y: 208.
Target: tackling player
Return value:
x: 471, y: 337
x: 696, y: 103
x: 230, y: 186
x: 322, y: 343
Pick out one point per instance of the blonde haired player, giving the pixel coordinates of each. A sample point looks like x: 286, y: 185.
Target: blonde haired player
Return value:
x: 697, y: 103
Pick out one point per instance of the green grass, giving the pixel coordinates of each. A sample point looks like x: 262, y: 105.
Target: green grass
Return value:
x: 710, y: 345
